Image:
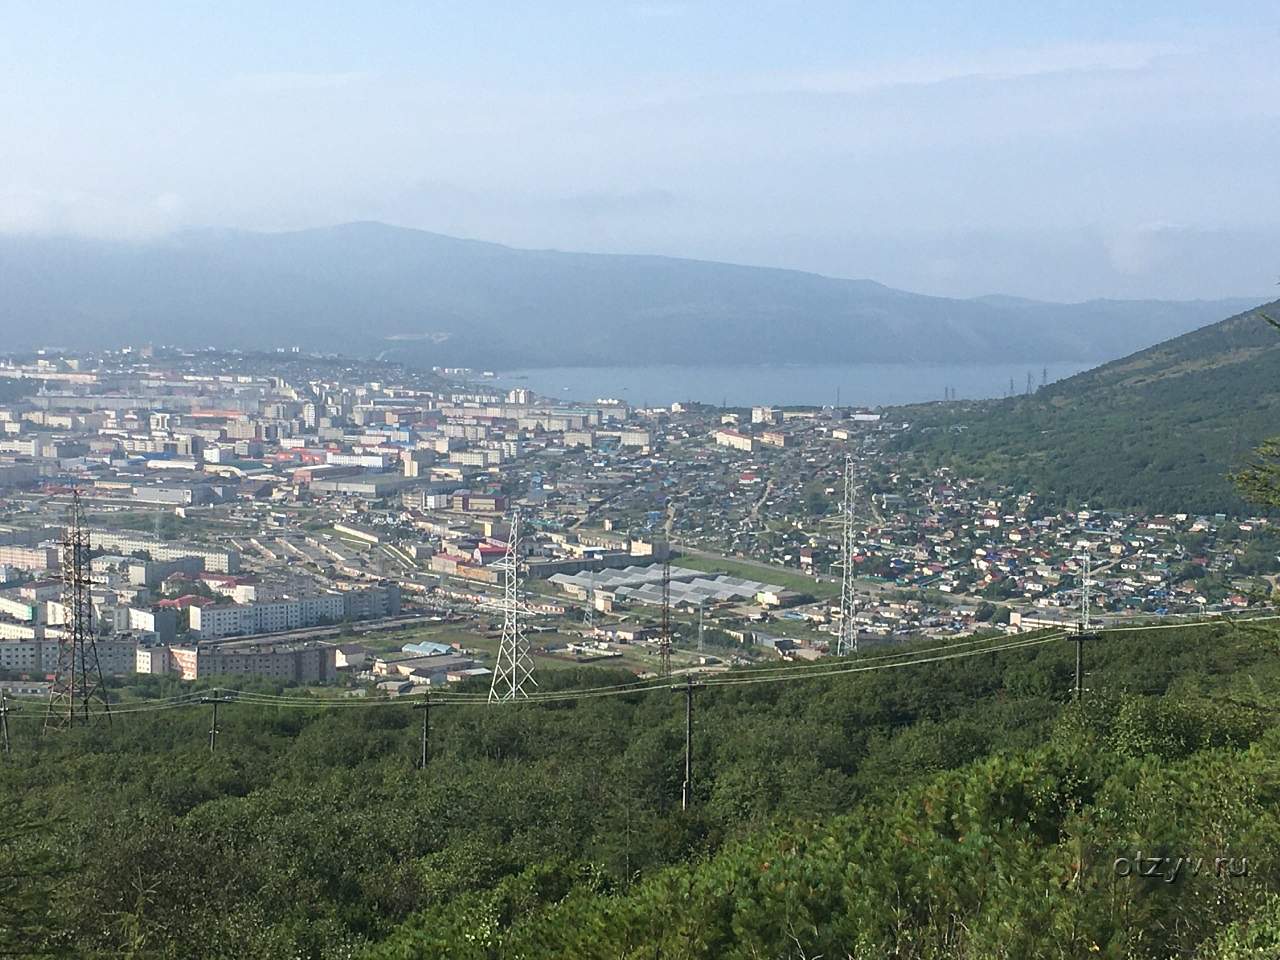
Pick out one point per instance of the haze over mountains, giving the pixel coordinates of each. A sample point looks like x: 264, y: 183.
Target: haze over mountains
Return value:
x: 373, y: 290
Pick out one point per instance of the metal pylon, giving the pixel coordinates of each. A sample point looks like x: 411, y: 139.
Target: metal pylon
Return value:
x: 1085, y: 599
x: 664, y: 642
x: 78, y: 694
x: 514, y: 667
x: 848, y: 639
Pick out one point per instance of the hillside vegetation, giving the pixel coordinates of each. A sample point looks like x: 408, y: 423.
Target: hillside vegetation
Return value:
x: 949, y: 809
x: 1159, y: 430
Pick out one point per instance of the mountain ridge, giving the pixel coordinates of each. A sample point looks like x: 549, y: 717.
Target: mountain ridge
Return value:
x: 371, y: 289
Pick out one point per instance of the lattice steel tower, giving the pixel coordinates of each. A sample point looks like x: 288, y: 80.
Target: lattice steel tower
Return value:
x: 664, y: 643
x: 848, y: 640
x: 78, y: 694
x: 514, y: 667
x: 1086, y: 581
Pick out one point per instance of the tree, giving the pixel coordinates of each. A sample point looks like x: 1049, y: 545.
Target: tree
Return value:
x: 28, y: 875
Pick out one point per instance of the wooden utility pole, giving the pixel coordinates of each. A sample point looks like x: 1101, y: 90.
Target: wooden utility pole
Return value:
x: 213, y: 725
x: 425, y: 747
x: 1080, y: 637
x: 4, y: 723
x: 686, y: 791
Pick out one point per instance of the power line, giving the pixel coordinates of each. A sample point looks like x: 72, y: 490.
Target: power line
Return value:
x: 938, y: 654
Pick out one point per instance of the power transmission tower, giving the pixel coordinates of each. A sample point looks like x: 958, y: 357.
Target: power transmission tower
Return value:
x: 514, y: 667
x: 78, y: 692
x: 701, y: 608
x: 589, y: 619
x: 664, y: 644
x: 848, y: 641
x: 1085, y: 583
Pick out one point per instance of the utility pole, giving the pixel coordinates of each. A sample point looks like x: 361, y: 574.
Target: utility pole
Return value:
x: 686, y: 791
x: 1081, y: 635
x: 1079, y: 665
x: 701, y: 608
x: 425, y: 752
x: 213, y: 725
x: 4, y: 723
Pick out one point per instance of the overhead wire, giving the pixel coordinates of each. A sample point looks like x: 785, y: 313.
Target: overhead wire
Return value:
x: 937, y: 654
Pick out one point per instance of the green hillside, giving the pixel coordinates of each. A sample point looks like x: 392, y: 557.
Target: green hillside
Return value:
x: 958, y: 809
x: 1159, y: 430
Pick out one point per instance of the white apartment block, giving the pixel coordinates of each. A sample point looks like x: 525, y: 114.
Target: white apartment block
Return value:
x: 215, y: 560
x: 271, y: 616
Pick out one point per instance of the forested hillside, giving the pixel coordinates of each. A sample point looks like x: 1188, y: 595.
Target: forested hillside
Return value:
x: 924, y: 808
x: 1158, y: 430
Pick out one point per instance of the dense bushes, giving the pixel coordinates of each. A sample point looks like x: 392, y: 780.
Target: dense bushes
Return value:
x: 952, y: 809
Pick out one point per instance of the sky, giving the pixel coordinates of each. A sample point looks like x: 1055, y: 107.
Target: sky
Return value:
x: 1062, y: 151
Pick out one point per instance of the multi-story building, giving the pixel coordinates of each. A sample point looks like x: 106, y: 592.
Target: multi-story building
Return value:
x: 308, y: 661
x: 294, y: 613
x: 116, y: 657
x: 29, y: 558
x: 215, y: 559
x: 735, y: 440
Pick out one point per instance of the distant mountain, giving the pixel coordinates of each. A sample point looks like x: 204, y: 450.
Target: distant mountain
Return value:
x: 373, y: 290
x: 1159, y: 429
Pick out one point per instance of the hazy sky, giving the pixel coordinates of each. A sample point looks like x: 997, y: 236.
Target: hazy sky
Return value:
x: 1058, y: 150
